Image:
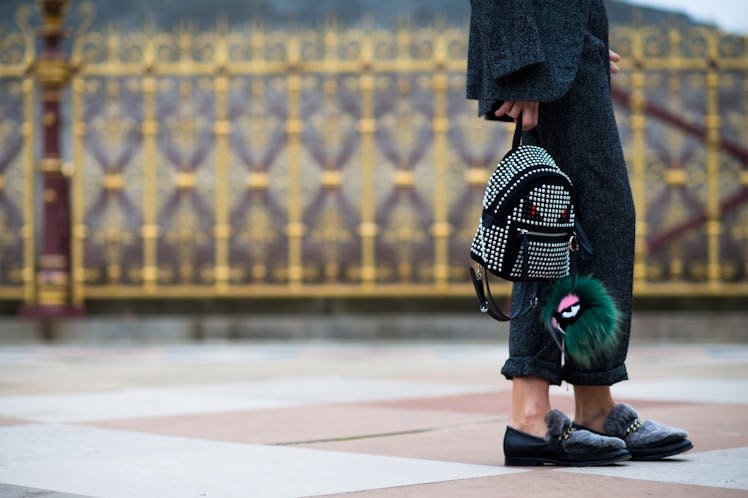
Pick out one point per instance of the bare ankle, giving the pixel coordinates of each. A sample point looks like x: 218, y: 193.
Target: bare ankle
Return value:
x: 592, y: 406
x: 533, y: 427
x: 530, y: 405
x: 530, y: 421
x: 592, y: 419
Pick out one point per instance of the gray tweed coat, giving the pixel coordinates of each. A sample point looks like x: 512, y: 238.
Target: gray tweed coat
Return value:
x: 556, y: 52
x: 523, y: 49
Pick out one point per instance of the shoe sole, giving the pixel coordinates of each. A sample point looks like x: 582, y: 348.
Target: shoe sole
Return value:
x: 537, y: 462
x: 652, y: 454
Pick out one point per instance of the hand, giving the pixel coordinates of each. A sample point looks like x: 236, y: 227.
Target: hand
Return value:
x: 614, y: 57
x: 528, y: 110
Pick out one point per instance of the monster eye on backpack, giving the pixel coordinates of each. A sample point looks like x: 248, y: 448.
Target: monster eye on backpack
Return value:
x: 527, y: 229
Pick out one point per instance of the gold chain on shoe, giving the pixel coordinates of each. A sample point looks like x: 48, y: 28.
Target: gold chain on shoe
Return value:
x: 633, y: 427
x: 566, y: 434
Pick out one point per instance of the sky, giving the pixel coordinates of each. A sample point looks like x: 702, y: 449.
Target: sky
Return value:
x: 730, y: 15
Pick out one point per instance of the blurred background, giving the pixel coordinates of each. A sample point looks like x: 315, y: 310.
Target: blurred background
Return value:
x: 241, y: 166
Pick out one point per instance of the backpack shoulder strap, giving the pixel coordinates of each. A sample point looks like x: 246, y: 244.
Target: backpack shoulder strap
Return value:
x: 488, y: 305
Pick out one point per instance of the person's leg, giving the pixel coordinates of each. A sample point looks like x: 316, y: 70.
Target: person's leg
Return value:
x: 592, y: 404
x: 582, y: 136
x: 604, y: 206
x: 530, y: 404
x: 538, y: 435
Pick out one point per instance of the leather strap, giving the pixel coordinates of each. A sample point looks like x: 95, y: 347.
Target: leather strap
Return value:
x: 488, y: 305
x: 518, y: 133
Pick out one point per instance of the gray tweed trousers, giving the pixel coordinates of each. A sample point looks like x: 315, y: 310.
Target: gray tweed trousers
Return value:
x: 580, y: 132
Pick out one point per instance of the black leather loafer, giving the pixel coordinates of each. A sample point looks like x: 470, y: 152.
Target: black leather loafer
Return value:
x: 563, y: 445
x: 646, y: 440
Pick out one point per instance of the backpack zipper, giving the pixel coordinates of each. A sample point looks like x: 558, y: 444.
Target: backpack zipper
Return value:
x: 524, y: 231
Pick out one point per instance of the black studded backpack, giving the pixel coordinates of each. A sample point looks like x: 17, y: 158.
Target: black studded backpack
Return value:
x: 527, y: 230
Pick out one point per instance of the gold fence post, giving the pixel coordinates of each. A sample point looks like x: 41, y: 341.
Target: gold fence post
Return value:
x: 222, y: 128
x: 639, y: 160
x: 675, y: 177
x: 441, y: 229
x: 53, y: 72
x: 150, y: 229
x: 29, y: 132
x: 79, y: 229
x: 29, y: 246
x: 79, y: 233
x: 294, y: 128
x: 713, y: 211
x: 367, y: 127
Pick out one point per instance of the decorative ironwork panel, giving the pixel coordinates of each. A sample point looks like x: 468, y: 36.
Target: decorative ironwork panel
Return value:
x: 258, y: 179
x: 185, y: 165
x: 682, y: 106
x: 331, y: 214
x: 17, y: 104
x: 404, y: 181
x: 12, y: 183
x: 111, y: 190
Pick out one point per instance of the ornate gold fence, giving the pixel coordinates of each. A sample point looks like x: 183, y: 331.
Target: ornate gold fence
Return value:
x: 346, y: 162
x: 256, y: 163
x: 17, y: 172
x: 683, y: 112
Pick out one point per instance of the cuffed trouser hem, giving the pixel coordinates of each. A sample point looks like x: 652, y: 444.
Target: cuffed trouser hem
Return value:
x: 554, y: 374
x: 532, y: 367
x: 606, y: 378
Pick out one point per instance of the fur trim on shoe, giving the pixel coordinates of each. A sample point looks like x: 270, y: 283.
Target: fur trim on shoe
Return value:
x: 624, y: 422
x: 562, y: 436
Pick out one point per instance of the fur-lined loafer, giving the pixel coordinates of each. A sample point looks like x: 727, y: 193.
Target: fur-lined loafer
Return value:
x: 562, y: 445
x: 645, y: 439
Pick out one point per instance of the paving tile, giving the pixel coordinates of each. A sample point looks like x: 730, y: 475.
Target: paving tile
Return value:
x: 10, y: 491
x: 710, y: 426
x: 548, y: 483
x: 12, y: 421
x: 496, y: 403
x: 719, y: 468
x: 693, y: 389
x: 297, y: 424
x: 471, y: 443
x: 175, y: 400
x: 102, y: 462
x: 81, y: 407
x: 489, y: 403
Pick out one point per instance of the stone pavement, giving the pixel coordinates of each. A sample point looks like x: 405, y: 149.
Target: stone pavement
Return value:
x: 306, y: 418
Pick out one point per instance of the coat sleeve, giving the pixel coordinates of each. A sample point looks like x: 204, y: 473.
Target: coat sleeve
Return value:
x: 507, y: 34
x: 525, y: 50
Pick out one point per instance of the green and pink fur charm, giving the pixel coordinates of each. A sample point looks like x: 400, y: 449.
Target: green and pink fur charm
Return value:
x: 582, y: 312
